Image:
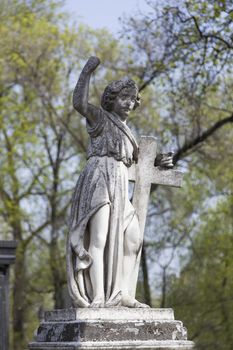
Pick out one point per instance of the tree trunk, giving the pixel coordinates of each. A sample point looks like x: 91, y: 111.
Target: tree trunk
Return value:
x: 19, y: 302
x: 147, y: 296
x: 164, y: 289
x: 58, y: 275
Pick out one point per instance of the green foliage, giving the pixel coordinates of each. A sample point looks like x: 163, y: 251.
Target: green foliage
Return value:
x: 202, y: 295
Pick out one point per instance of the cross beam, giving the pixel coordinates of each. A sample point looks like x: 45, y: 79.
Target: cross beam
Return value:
x: 144, y: 174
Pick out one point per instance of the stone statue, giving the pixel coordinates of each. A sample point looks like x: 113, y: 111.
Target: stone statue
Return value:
x: 104, y: 241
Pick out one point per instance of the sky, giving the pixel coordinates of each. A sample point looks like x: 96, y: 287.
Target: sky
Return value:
x: 104, y: 13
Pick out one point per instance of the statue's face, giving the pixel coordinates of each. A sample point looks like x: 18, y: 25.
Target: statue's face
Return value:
x: 124, y: 103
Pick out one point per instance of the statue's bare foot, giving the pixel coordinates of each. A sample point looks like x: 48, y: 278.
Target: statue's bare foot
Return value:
x: 128, y: 301
x: 97, y: 302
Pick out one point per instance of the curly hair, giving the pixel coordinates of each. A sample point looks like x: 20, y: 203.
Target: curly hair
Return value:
x: 114, y: 88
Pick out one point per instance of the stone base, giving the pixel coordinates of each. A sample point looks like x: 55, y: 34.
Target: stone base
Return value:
x: 116, y: 328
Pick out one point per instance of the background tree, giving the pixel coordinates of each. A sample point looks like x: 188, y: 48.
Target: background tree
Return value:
x: 202, y: 294
x: 185, y: 52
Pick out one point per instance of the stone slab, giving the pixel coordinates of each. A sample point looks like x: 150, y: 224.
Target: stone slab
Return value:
x: 112, y: 328
x: 84, y: 331
x: 108, y: 314
x: 117, y: 345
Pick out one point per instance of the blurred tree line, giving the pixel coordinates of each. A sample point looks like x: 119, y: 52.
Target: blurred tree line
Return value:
x: 180, y: 54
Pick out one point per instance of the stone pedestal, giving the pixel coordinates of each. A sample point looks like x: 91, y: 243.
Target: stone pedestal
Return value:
x: 116, y: 328
x: 7, y: 257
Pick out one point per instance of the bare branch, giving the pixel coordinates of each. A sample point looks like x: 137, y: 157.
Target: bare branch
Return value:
x: 189, y: 145
x: 36, y: 232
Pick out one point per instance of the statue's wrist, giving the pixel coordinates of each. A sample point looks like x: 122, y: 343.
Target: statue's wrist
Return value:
x: 91, y: 64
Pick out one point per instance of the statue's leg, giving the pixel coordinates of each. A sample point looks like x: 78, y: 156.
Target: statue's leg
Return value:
x: 98, y: 227
x: 132, y: 246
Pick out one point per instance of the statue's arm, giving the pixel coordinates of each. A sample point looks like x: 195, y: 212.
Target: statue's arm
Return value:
x: 81, y: 91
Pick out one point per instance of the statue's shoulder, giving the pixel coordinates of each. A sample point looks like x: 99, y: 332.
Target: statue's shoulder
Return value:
x: 96, y: 129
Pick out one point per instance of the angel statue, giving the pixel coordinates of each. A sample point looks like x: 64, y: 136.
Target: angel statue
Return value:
x: 104, y: 240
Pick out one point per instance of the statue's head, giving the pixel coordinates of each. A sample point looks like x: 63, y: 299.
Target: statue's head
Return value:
x: 115, y: 88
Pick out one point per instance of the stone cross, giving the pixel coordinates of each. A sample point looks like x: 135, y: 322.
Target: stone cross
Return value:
x: 7, y: 257
x: 144, y: 174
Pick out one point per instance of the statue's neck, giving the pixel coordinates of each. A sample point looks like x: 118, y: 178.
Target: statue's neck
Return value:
x: 123, y: 120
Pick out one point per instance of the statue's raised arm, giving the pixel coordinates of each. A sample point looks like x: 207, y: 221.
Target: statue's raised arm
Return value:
x: 81, y: 91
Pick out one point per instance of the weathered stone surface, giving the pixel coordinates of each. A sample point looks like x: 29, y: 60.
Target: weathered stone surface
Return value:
x: 121, y: 313
x: 120, y: 328
x: 110, y: 331
x: 117, y: 345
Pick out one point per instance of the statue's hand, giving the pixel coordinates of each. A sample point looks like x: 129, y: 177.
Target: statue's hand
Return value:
x: 164, y: 160
x: 91, y: 64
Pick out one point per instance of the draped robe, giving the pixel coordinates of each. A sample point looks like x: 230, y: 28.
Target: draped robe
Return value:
x: 104, y: 180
